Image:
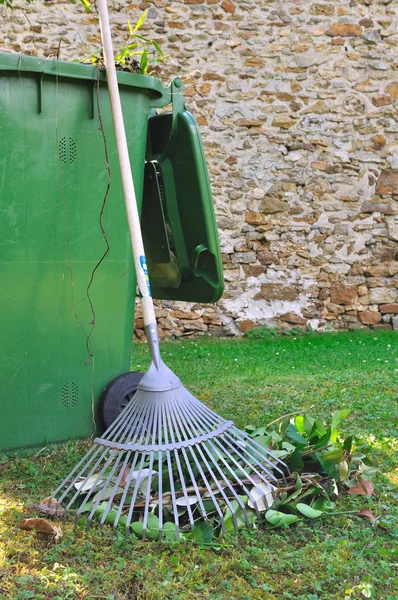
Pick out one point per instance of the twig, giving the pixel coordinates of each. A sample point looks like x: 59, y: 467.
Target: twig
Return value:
x: 296, y: 412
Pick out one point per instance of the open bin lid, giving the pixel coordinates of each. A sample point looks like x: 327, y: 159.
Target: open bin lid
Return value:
x: 178, y: 221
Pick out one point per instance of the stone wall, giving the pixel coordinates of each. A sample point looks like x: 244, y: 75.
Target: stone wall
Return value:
x: 298, y: 105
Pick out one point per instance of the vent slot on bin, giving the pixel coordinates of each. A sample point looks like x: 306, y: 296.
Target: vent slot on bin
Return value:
x: 67, y: 150
x: 70, y: 395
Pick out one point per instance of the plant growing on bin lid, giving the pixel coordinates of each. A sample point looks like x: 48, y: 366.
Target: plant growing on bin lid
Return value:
x: 149, y: 51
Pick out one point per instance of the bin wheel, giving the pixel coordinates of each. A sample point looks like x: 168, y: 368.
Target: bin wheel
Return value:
x: 118, y: 394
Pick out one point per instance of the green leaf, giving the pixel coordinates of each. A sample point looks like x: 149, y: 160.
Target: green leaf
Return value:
x: 329, y: 467
x: 169, y: 531
x: 137, y: 527
x: 144, y: 62
x: 259, y: 431
x: 295, y: 461
x: 348, y: 444
x: 309, y: 424
x: 323, y: 504
x: 337, y: 418
x: 279, y: 519
x: 317, y: 430
x: 111, y: 516
x: 324, y: 440
x: 158, y: 48
x: 141, y: 20
x: 142, y: 38
x: 309, y: 512
x: 203, y: 532
x: 288, y: 447
x: 86, y: 5
x: 239, y: 515
x: 299, y: 423
x: 294, y: 435
x: 263, y: 440
x: 130, y: 28
x: 333, y: 456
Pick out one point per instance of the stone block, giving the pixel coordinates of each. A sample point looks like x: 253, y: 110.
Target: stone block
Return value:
x: 389, y: 308
x: 276, y: 291
x: 386, y: 208
x: 273, y: 205
x: 283, y: 121
x: 294, y: 319
x: 382, y: 295
x: 343, y: 294
x: 382, y: 270
x: 369, y: 317
x: 246, y: 325
x: 344, y: 30
x: 392, y: 89
x: 254, y: 218
x: 387, y: 182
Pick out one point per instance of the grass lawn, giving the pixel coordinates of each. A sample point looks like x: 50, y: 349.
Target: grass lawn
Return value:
x: 252, y: 381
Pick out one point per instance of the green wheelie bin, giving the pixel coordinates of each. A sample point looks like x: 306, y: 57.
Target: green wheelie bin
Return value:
x: 66, y: 270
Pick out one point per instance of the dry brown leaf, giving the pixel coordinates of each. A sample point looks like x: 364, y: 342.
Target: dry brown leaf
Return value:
x: 126, y: 471
x: 364, y: 512
x: 49, y: 506
x: 41, y: 526
x: 363, y: 488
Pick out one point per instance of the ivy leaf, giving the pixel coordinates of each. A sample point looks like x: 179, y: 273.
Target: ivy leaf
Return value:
x: 337, y: 418
x: 203, y: 533
x: 333, y: 456
x: 299, y: 423
x: 323, y: 504
x: 294, y: 435
x: 279, y: 519
x: 308, y: 511
x: 348, y: 444
x: 263, y: 440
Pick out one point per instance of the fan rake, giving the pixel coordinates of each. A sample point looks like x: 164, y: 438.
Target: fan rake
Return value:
x: 166, y: 453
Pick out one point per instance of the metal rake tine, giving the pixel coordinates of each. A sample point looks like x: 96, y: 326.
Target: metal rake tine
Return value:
x: 119, y: 424
x: 208, y: 486
x: 214, y: 478
x: 256, y: 461
x: 160, y: 491
x: 252, y: 466
x: 134, y: 427
x: 126, y: 487
x: 148, y: 493
x: 135, y: 492
x: 170, y: 472
x: 82, y: 471
x: 149, y: 419
x: 179, y: 469
x: 91, y: 474
x: 104, y: 487
x: 116, y: 486
x: 230, y: 487
x: 180, y: 420
x: 269, y: 452
x: 245, y: 489
x: 64, y: 481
